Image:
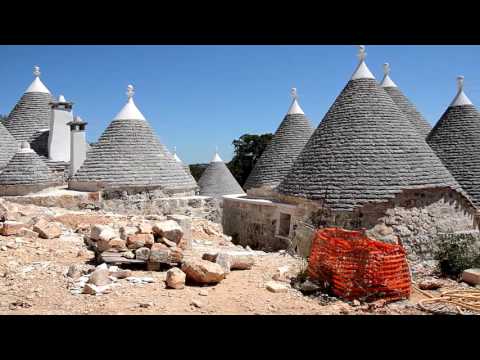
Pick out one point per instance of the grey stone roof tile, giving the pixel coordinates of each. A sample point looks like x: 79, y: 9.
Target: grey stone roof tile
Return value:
x: 30, y: 114
x: 8, y: 146
x: 413, y: 115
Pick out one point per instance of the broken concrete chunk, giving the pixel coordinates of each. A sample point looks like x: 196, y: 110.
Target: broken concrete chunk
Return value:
x: 102, y: 232
x: 47, y: 230
x: 175, y: 278
x: 202, y: 271
x: 168, y: 229
x: 471, y: 276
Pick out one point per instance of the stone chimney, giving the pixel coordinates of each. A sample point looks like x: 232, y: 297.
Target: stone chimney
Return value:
x: 59, y: 136
x: 78, y: 144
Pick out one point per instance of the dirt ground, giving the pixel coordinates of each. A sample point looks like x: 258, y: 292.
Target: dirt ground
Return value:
x: 33, y: 281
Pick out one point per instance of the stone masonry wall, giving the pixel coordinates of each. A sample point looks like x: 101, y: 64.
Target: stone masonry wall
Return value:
x: 412, y: 218
x: 252, y: 224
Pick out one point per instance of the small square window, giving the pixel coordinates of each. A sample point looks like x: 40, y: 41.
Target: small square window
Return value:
x: 284, y: 225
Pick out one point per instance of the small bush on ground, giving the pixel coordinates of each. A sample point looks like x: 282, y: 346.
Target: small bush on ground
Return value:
x: 457, y: 252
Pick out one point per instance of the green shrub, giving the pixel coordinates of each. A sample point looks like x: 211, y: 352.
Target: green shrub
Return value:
x: 457, y: 252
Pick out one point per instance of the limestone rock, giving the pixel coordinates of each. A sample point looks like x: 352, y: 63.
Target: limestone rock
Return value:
x: 47, y: 230
x: 196, y: 303
x: 93, y: 289
x: 175, y: 278
x: 430, y: 284
x: 142, y: 253
x: 168, y: 229
x: 125, y: 231
x: 102, y: 232
x: 75, y: 271
x: 118, y: 245
x: 144, y: 228
x: 11, y: 228
x: 128, y: 255
x: 202, y: 271
x: 137, y: 241
x: 276, y: 287
x: 28, y: 233
x: 224, y: 261
x: 160, y: 253
x: 167, y: 242
x: 471, y: 276
x: 121, y: 273
x: 210, y: 256
x: 282, y: 274
x: 242, y: 262
x: 100, y: 277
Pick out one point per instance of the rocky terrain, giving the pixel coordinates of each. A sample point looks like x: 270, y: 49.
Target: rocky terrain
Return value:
x: 46, y: 267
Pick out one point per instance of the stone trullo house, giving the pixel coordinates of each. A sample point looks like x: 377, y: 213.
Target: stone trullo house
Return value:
x: 129, y: 157
x: 217, y: 180
x: 456, y: 141
x: 287, y: 143
x: 413, y: 115
x: 365, y: 167
x: 40, y: 120
x: 25, y: 173
x: 177, y: 159
x: 8, y: 146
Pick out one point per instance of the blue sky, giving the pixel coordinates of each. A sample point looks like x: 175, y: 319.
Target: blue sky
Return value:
x: 199, y: 97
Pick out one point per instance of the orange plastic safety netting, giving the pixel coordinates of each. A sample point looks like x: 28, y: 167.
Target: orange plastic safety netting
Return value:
x: 357, y: 267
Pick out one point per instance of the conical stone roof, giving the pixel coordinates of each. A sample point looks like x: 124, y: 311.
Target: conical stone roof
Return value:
x: 32, y: 112
x: 8, y: 146
x: 26, y: 168
x: 364, y: 150
x: 129, y: 156
x: 456, y: 141
x: 421, y: 125
x: 217, y: 180
x: 287, y: 143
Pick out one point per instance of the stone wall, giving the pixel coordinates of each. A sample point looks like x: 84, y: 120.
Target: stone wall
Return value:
x: 413, y: 218
x: 254, y: 223
x: 146, y: 204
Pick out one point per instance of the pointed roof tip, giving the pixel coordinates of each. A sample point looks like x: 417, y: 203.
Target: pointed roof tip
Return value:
x: 387, y: 81
x: 295, y: 107
x: 175, y: 156
x: 216, y: 157
x: 130, y: 110
x: 25, y: 147
x: 61, y: 99
x: 460, y: 99
x: 362, y: 71
x: 37, y: 84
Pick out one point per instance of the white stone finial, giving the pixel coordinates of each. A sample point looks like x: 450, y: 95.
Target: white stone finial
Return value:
x: 130, y: 110
x: 36, y: 71
x: 362, y: 71
x: 37, y: 85
x: 61, y: 99
x: 216, y: 157
x: 387, y: 81
x: 130, y: 91
x: 460, y: 80
x: 294, y: 93
x: 461, y: 98
x: 386, y: 69
x: 361, y: 53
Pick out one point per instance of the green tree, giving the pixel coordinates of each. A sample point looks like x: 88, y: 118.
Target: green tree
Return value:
x: 197, y: 170
x: 248, y: 149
